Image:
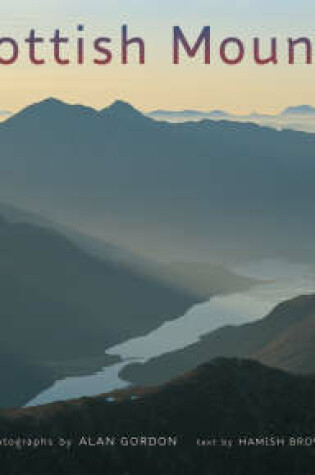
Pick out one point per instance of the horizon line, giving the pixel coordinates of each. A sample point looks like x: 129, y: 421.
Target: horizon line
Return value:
x: 6, y: 114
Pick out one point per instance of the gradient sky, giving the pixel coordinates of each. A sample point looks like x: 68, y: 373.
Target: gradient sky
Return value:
x: 159, y: 84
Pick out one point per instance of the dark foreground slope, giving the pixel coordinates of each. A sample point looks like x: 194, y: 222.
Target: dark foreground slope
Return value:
x: 232, y: 399
x: 283, y: 339
x: 58, y: 301
x: 61, y: 307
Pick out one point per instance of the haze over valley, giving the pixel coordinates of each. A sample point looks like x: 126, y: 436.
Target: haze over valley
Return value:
x: 227, y: 190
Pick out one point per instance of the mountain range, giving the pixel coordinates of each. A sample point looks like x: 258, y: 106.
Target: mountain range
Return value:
x: 258, y: 409
x: 293, y: 117
x: 299, y: 110
x: 134, y: 209
x: 283, y: 339
x: 221, y: 114
x: 231, y: 191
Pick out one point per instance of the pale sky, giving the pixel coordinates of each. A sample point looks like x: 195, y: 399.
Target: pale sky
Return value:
x: 159, y: 84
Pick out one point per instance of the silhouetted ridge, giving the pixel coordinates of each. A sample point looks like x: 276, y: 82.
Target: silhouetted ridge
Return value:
x: 52, y: 109
x: 292, y: 311
x: 75, y: 117
x: 122, y: 110
x: 49, y: 105
x: 52, y: 102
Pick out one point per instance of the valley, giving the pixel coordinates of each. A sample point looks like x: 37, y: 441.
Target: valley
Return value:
x: 150, y: 270
x: 183, y: 343
x: 66, y: 299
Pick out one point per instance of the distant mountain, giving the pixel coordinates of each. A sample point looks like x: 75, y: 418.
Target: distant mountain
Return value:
x: 185, y: 115
x: 260, y: 410
x: 221, y: 114
x: 122, y: 110
x: 299, y: 110
x: 295, y: 118
x: 168, y: 191
x: 284, y: 339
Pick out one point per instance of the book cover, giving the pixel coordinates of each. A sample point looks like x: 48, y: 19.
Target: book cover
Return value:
x: 157, y: 264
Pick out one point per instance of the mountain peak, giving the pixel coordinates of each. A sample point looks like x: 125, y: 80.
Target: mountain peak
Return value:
x: 52, y: 101
x: 52, y: 109
x: 49, y: 104
x: 122, y: 110
x: 46, y: 108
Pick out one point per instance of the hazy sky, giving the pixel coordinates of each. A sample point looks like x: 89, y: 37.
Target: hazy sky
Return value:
x: 159, y: 84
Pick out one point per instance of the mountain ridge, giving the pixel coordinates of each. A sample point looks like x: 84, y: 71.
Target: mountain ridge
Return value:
x: 132, y: 178
x: 283, y: 339
x: 231, y: 398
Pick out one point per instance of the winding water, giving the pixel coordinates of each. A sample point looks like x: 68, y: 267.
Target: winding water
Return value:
x: 283, y: 281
